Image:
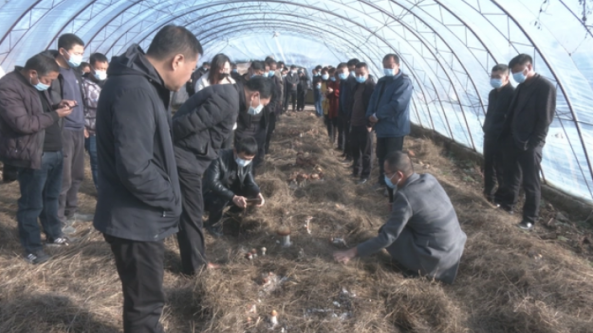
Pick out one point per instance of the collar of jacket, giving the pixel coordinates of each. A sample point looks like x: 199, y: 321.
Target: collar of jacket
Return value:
x: 22, y: 78
x: 530, y: 82
x: 414, y: 177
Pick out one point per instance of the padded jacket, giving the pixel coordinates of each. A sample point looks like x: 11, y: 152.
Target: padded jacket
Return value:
x: 226, y: 179
x: 391, y: 105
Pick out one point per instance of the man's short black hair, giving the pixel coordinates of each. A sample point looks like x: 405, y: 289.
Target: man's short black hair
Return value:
x: 399, y: 161
x: 258, y: 65
x: 393, y: 56
x: 172, y: 40
x: 353, y: 62
x: 271, y: 61
x: 293, y: 67
x: 521, y: 59
x: 501, y: 68
x: 43, y: 63
x: 68, y: 41
x: 264, y: 85
x: 362, y: 65
x: 83, y: 65
x: 206, y: 63
x: 318, y: 68
x: 97, y: 57
x: 247, y: 145
x: 342, y: 65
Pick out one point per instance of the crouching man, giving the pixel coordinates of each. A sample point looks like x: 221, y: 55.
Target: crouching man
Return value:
x: 422, y: 234
x: 229, y: 181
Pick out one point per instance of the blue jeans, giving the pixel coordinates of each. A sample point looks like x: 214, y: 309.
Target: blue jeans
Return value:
x: 40, y: 191
x: 90, y: 144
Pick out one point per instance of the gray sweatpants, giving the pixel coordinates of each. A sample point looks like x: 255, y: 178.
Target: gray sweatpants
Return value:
x: 73, y: 172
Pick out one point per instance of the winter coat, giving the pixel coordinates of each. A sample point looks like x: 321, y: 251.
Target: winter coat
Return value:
x: 203, y: 123
x: 139, y: 196
x: 292, y: 81
x: 23, y: 121
x: 390, y: 103
x: 225, y: 178
x: 91, y: 89
x: 333, y: 98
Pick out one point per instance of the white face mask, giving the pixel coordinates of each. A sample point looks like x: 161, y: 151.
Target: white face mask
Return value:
x: 75, y: 60
x: 101, y: 75
x: 256, y: 110
x: 241, y: 162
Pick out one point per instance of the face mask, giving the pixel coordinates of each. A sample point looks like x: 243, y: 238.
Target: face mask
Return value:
x: 388, y: 182
x: 389, y: 71
x: 318, y: 86
x: 254, y: 111
x: 284, y: 76
x: 361, y: 79
x: 293, y: 72
x: 325, y: 76
x: 241, y: 162
x: 271, y: 73
x: 75, y: 60
x: 264, y: 75
x: 352, y: 74
x: 496, y: 83
x: 100, y: 75
x: 235, y: 70
x: 333, y: 79
x: 39, y: 86
x: 343, y: 76
x: 519, y: 77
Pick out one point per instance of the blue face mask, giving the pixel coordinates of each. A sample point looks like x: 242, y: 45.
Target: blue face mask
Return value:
x: 241, y: 162
x: 343, y: 76
x: 361, y: 79
x: 255, y: 110
x: 352, y: 74
x: 388, y: 182
x: 389, y: 71
x: 40, y: 86
x: 264, y: 75
x: 318, y: 86
x: 325, y: 76
x: 271, y: 73
x: 496, y: 83
x: 333, y: 79
x: 519, y: 77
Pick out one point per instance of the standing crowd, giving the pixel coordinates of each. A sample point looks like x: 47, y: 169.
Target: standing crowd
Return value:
x: 158, y: 174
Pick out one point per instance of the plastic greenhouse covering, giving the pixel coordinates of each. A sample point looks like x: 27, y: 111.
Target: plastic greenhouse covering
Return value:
x: 447, y: 47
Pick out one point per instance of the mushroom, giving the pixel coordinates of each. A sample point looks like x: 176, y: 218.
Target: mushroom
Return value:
x: 314, y: 176
x: 308, y: 224
x: 263, y: 251
x: 284, y: 232
x: 248, y: 256
x: 254, y: 253
x: 274, y: 319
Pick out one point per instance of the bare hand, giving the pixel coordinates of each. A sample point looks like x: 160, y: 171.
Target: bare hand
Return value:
x: 370, y: 129
x: 330, y: 90
x: 239, y: 201
x: 263, y: 201
x: 86, y: 134
x: 64, y: 111
x: 373, y: 119
x: 68, y: 103
x: 345, y: 256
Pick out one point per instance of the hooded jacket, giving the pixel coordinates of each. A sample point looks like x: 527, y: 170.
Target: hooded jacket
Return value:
x: 139, y: 196
x: 23, y: 121
x: 203, y: 123
x: 390, y: 103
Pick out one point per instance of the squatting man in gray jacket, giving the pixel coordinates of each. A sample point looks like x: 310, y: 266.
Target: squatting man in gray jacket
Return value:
x: 422, y: 234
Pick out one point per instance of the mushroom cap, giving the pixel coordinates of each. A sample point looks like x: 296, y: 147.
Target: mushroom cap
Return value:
x: 274, y: 313
x: 283, y: 230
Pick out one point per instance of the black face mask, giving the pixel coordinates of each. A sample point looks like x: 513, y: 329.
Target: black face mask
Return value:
x: 224, y: 75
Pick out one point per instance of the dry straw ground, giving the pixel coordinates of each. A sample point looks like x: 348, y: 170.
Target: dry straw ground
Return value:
x: 509, y: 280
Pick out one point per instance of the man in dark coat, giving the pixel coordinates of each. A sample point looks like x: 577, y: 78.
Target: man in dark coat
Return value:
x: 389, y: 110
x: 139, y: 201
x: 499, y: 100
x: 229, y: 180
x: 275, y: 106
x: 290, y: 89
x: 361, y: 139
x: 302, y: 88
x: 422, y: 235
x: 347, y: 84
x: 199, y: 128
x: 31, y: 142
x: 524, y: 135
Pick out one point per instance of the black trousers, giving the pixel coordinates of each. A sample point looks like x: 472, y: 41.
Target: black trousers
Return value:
x: 301, y: 99
x: 493, y: 166
x: 344, y: 136
x: 271, y: 129
x: 526, y: 165
x: 140, y: 266
x: 384, y: 147
x: 332, y: 128
x: 215, y: 206
x: 260, y: 137
x: 292, y: 95
x: 362, y: 151
x: 191, y: 234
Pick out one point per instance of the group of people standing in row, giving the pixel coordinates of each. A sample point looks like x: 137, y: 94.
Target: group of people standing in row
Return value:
x: 157, y: 174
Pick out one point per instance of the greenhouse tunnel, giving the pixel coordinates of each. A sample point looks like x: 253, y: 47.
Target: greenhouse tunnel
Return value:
x: 447, y: 47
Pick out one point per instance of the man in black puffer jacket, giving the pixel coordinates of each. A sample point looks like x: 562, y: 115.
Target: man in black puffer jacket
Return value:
x: 229, y: 179
x: 199, y: 129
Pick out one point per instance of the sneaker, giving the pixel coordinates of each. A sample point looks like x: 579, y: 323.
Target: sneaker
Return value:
x: 505, y: 208
x: 84, y: 217
x: 525, y: 225
x: 37, y: 257
x: 58, y: 242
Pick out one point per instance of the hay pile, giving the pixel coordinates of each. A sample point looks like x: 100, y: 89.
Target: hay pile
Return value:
x: 509, y: 281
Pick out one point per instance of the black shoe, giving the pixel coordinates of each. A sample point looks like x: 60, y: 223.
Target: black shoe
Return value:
x: 525, y: 225
x: 215, y: 230
x: 505, y: 208
x: 363, y: 181
x: 37, y: 257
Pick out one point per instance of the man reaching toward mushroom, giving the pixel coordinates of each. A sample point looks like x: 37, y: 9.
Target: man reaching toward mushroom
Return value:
x: 229, y: 180
x: 422, y: 235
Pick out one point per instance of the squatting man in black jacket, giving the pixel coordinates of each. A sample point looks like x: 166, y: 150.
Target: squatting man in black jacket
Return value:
x: 199, y: 128
x: 229, y: 179
x: 139, y: 200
